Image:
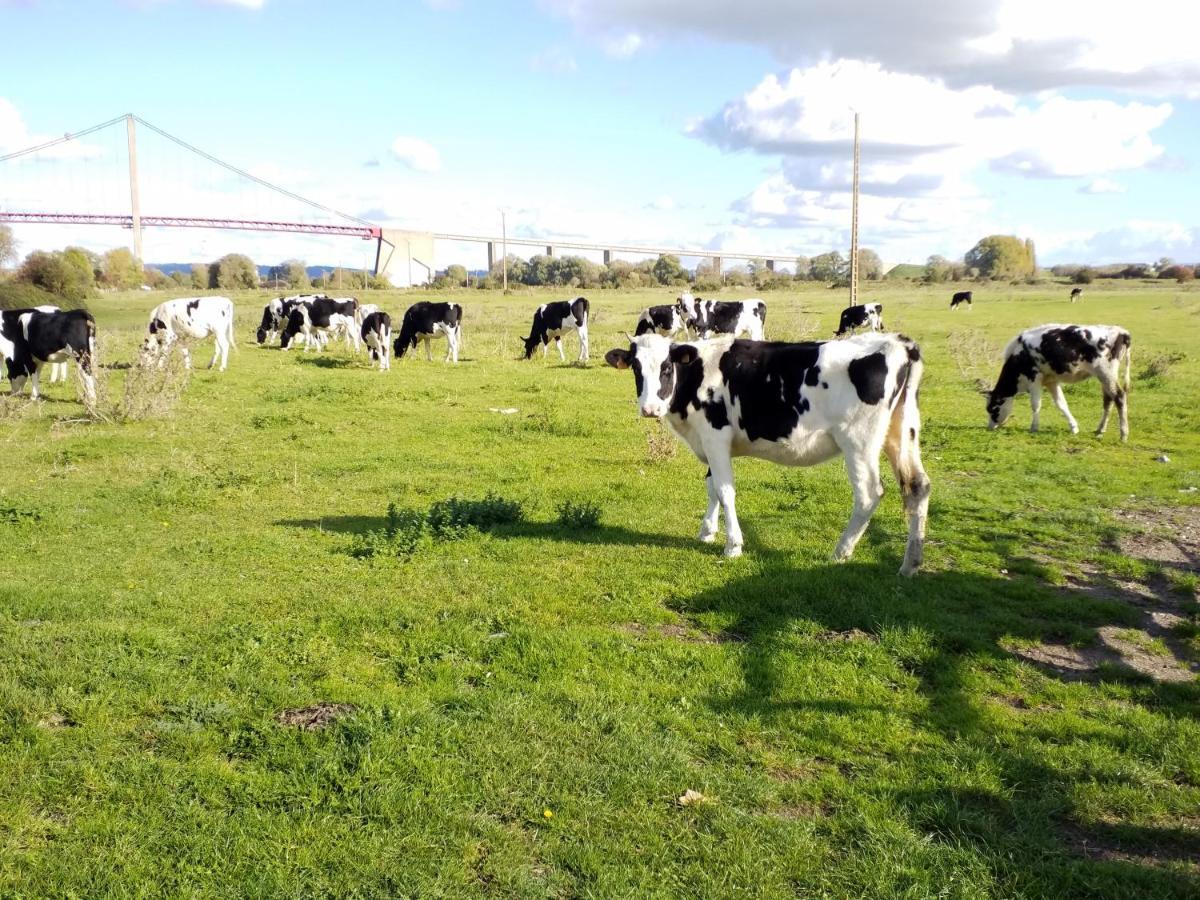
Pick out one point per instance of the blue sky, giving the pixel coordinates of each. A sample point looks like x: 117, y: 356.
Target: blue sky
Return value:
x: 699, y: 123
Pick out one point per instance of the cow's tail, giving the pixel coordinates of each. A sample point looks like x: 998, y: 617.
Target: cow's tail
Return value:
x: 903, y: 449
x: 229, y: 333
x: 1128, y: 361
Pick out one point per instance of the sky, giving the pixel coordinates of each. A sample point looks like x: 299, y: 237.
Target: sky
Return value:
x: 693, y: 123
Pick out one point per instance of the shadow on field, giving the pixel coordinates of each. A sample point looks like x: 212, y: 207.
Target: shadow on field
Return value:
x: 328, y: 362
x: 948, y: 630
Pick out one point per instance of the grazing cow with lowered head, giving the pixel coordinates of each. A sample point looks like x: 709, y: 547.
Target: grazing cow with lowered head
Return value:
x: 190, y: 319
x: 319, y: 319
x: 795, y: 404
x: 1052, y: 355
x: 867, y: 315
x: 31, y: 338
x: 959, y: 298
x: 551, y: 320
x: 1076, y: 293
x: 377, y: 337
x: 58, y: 370
x: 276, y: 313
x: 426, y: 320
x: 710, y: 318
x: 666, y: 320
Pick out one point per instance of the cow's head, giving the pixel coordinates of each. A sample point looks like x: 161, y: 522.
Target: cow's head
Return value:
x: 295, y: 324
x: 158, y: 336
x: 655, y: 361
x: 999, y: 408
x: 686, y: 304
x: 530, y: 343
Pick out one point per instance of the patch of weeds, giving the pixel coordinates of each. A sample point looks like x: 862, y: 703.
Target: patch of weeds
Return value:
x: 152, y: 390
x: 1159, y: 365
x: 406, y: 530
x: 660, y: 444
x: 279, y: 420
x: 552, y: 423
x: 581, y: 516
x: 15, y: 515
x: 973, y: 354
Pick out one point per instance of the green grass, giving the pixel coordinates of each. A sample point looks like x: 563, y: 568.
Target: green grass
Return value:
x: 170, y: 585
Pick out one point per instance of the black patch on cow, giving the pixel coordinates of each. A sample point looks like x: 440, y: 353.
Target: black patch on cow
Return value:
x: 812, y: 376
x: 825, y: 385
x: 901, y: 381
x: 869, y: 375
x: 912, y: 433
x: 1064, y: 348
x: 192, y: 306
x: 721, y: 317
x: 1119, y: 345
x: 717, y: 414
x: 766, y: 380
x: 1020, y: 363
x: 156, y: 325
x: 638, y: 379
x: 914, y: 352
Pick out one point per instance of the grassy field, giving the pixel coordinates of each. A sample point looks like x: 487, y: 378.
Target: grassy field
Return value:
x: 518, y: 709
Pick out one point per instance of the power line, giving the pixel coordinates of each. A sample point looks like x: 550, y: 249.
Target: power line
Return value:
x: 62, y: 140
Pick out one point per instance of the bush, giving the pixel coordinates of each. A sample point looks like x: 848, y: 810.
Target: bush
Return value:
x: 1086, y: 275
x: 581, y: 516
x: 22, y: 295
x: 407, y: 530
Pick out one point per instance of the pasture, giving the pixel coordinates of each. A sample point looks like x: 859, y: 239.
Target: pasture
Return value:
x: 517, y: 709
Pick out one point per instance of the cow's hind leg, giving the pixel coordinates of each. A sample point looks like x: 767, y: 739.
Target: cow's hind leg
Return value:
x: 558, y: 345
x: 1113, y: 393
x: 1056, y: 394
x: 863, y: 469
x: 1035, y: 403
x: 903, y: 450
x: 708, y: 525
x: 428, y: 350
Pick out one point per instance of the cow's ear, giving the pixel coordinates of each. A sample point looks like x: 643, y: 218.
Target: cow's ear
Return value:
x: 618, y: 358
x: 684, y: 354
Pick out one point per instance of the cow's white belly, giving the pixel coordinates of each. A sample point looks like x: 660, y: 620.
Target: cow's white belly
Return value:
x: 59, y: 356
x: 806, y: 448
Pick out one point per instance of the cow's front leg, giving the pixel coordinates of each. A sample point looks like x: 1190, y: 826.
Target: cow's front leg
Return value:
x: 708, y: 525
x: 584, y: 347
x: 216, y: 355
x: 721, y: 466
x: 863, y: 469
x: 558, y: 346
x: 1035, y: 403
x: 1060, y: 401
x: 428, y: 350
x: 33, y: 380
x: 187, y: 356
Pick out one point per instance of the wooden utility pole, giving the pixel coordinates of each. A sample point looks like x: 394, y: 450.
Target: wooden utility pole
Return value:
x: 504, y: 249
x: 134, y: 202
x: 854, y: 224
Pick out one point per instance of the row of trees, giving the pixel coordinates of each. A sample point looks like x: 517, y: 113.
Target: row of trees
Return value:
x: 1165, y: 268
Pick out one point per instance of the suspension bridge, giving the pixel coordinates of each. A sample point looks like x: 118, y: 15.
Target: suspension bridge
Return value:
x: 127, y: 173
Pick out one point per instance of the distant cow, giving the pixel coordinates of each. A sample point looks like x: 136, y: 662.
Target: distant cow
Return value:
x: 666, y: 320
x: 31, y: 338
x: 960, y: 298
x: 190, y: 319
x: 552, y: 320
x: 710, y: 318
x: 319, y: 319
x: 1076, y: 293
x: 377, y: 337
x: 795, y: 404
x: 868, y: 315
x: 426, y: 320
x: 1052, y: 355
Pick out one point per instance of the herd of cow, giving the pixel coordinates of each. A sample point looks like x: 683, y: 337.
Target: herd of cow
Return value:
x: 791, y: 403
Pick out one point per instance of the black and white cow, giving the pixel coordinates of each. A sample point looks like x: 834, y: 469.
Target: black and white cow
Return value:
x: 1076, y: 293
x: 58, y: 370
x: 959, y: 298
x: 1052, y: 355
x: 710, y: 318
x: 666, y: 320
x: 190, y: 319
x: 794, y: 404
x: 552, y: 320
x: 866, y: 315
x: 426, y: 320
x: 276, y: 312
x: 31, y: 338
x: 377, y: 337
x: 319, y: 319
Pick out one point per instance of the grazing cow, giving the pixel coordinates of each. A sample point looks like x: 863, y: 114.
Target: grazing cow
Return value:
x: 30, y: 338
x: 276, y: 313
x: 728, y: 317
x: 959, y: 298
x: 1052, y: 355
x: 794, y: 404
x: 377, y: 337
x: 190, y: 319
x: 666, y: 320
x: 551, y: 320
x: 1076, y: 293
x: 320, y: 318
x: 868, y: 315
x: 58, y: 370
x: 425, y: 320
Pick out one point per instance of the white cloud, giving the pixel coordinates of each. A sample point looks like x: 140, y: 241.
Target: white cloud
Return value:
x: 664, y: 202
x: 554, y: 61
x: 1136, y: 241
x: 1102, y: 186
x: 243, y: 4
x: 14, y: 135
x: 417, y: 154
x: 623, y: 46
x: 1019, y: 45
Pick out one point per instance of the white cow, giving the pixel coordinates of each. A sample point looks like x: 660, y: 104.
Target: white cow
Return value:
x: 189, y: 319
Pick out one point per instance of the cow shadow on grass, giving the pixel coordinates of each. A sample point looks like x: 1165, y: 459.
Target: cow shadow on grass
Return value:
x: 327, y: 362
x: 978, y: 707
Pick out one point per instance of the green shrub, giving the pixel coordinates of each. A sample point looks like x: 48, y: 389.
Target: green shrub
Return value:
x: 580, y: 516
x: 407, y: 530
x: 22, y: 294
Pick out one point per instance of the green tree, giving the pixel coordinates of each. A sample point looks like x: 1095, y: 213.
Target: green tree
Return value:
x: 157, y: 279
x: 539, y: 270
x: 937, y: 269
x: 667, y: 270
x: 291, y: 273
x: 1002, y: 256
x: 1084, y: 275
x: 829, y: 267
x: 180, y: 279
x: 121, y: 268
x: 457, y: 275
x: 8, y: 246
x: 232, y: 272
x: 199, y: 279
x: 67, y: 273
x: 870, y: 266
x: 803, y: 269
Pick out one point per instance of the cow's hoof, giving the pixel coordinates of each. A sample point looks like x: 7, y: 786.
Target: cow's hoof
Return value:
x: 733, y: 552
x: 1075, y: 429
x: 707, y: 537
x: 908, y: 570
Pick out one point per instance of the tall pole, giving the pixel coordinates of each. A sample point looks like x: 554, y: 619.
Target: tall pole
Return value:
x: 854, y: 224
x: 135, y: 204
x: 504, y: 249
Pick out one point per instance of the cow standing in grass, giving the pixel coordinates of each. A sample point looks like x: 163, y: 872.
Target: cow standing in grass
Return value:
x: 31, y: 338
x: 1052, y: 355
x: 189, y: 319
x: 710, y: 318
x: 426, y: 320
x: 377, y: 337
x: 666, y: 320
x: 1076, y: 293
x: 552, y: 320
x: 959, y: 298
x: 866, y: 315
x: 319, y: 319
x: 795, y: 404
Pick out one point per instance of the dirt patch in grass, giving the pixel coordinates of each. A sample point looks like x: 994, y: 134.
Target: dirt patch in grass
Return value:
x: 803, y: 810
x: 313, y: 718
x: 854, y: 634
x: 1116, y: 842
x: 56, y: 720
x: 682, y: 633
x: 1168, y: 536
